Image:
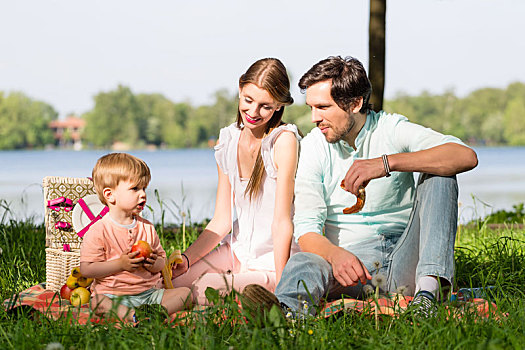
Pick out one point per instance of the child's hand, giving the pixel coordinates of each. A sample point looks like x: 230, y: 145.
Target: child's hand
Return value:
x: 128, y: 262
x: 149, y: 262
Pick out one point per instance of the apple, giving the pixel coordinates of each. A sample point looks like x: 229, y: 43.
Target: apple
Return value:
x: 80, y: 296
x: 84, y: 281
x: 65, y: 292
x: 143, y: 248
x: 72, y: 282
x: 76, y: 272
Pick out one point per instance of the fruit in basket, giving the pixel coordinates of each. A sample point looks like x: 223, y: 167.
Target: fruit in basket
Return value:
x: 80, y: 296
x: 76, y: 272
x: 84, y: 281
x: 72, y: 282
x: 65, y: 292
x: 143, y: 248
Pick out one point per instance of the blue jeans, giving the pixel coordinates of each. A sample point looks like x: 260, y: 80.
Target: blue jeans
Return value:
x: 426, y: 248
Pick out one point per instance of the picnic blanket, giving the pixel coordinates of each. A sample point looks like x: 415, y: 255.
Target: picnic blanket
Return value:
x: 395, y: 305
x: 52, y: 306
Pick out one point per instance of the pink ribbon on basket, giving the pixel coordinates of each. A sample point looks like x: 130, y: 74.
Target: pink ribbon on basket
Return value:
x: 59, y: 203
x: 90, y: 215
x: 67, y: 248
x: 62, y: 225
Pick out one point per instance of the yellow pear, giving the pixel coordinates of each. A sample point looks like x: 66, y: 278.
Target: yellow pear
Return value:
x: 84, y: 281
x: 80, y: 296
x: 72, y: 282
x: 76, y: 272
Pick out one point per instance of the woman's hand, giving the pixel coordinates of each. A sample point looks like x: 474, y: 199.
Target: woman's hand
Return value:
x: 179, y: 269
x: 128, y: 262
x: 215, y: 231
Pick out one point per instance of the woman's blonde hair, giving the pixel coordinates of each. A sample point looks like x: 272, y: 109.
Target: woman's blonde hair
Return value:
x: 115, y: 167
x: 268, y: 74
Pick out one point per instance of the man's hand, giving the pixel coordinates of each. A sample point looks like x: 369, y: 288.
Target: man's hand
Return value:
x: 347, y: 268
x: 361, y: 172
x: 129, y: 263
x: 149, y: 262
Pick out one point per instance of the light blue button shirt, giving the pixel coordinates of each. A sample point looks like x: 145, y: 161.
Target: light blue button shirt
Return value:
x: 319, y: 199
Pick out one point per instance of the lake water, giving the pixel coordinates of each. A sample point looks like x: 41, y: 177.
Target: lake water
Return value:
x: 186, y: 181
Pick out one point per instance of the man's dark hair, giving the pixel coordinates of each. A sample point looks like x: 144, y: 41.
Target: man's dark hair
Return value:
x: 349, y: 81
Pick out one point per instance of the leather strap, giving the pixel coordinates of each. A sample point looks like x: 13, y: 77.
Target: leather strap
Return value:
x: 90, y: 215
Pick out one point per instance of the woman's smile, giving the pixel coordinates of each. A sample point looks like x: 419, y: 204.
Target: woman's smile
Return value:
x: 251, y: 120
x: 256, y: 105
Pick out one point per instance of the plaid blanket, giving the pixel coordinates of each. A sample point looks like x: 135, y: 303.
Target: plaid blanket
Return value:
x: 52, y: 306
x: 396, y: 304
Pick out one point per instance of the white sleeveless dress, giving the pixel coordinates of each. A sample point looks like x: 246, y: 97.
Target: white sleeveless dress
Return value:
x: 251, y: 237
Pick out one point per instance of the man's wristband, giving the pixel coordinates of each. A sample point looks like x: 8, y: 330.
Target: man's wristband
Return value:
x: 187, y: 259
x: 386, y: 165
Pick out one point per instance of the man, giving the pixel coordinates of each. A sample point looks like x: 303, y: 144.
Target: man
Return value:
x: 403, y: 234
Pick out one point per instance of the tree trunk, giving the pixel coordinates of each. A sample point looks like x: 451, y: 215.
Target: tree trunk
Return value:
x: 376, y: 52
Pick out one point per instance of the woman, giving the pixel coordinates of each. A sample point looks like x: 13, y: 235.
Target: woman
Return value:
x: 256, y: 162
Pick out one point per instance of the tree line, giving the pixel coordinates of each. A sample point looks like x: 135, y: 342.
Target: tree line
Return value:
x: 488, y: 116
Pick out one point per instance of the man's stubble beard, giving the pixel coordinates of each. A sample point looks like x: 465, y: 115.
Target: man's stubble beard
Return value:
x: 342, y: 133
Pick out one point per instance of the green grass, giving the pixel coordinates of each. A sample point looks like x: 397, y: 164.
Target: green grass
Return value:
x: 483, y: 257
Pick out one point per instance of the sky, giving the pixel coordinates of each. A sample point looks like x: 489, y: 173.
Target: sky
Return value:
x: 65, y: 52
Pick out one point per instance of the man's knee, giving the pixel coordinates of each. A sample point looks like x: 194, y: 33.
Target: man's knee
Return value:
x: 306, y: 263
x: 304, y: 258
x: 441, y: 190
x: 436, y: 182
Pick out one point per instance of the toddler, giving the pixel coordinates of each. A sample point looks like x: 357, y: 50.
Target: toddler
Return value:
x: 122, y: 281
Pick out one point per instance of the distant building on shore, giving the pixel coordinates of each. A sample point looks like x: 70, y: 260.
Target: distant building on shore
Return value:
x: 67, y: 132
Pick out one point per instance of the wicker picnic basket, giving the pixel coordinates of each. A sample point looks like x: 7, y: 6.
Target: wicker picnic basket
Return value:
x: 59, y: 265
x: 63, y: 244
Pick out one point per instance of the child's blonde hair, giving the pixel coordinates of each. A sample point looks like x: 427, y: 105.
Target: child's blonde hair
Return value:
x: 115, y: 167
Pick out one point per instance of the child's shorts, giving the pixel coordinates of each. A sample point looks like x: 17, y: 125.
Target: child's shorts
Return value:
x: 152, y: 296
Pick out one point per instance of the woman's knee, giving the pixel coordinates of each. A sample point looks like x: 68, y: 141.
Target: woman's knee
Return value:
x: 211, y: 280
